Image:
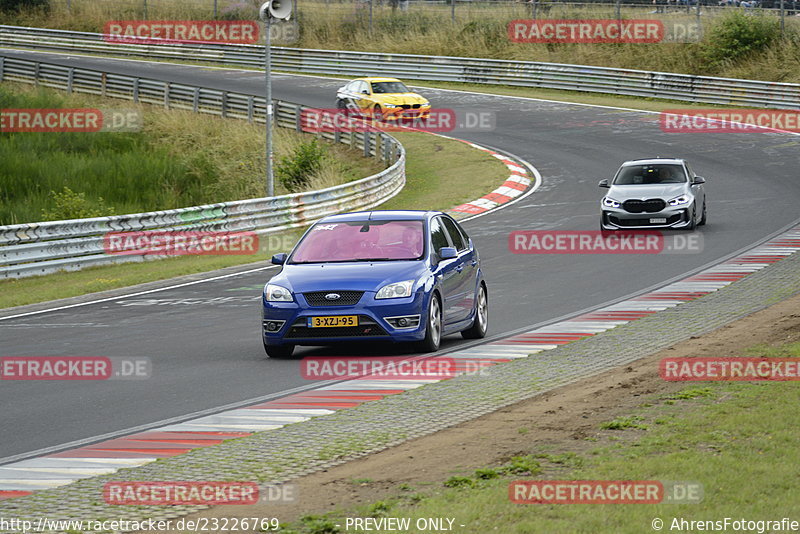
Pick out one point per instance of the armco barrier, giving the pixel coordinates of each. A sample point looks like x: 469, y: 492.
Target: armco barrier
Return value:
x: 683, y: 87
x: 46, y: 247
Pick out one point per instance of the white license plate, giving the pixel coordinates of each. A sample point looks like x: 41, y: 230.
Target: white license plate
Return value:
x: 658, y: 220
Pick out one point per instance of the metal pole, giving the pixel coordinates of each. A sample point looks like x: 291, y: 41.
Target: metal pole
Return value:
x: 698, y: 13
x: 268, y: 102
x: 619, y: 15
x: 69, y: 6
x: 144, y: 5
x: 453, y: 11
x: 215, y: 9
x: 370, y: 17
x: 783, y: 17
x: 535, y: 8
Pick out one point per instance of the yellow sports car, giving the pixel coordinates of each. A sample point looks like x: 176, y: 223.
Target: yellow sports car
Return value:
x: 382, y: 99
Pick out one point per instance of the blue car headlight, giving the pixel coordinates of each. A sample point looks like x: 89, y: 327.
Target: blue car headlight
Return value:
x: 680, y: 201
x: 610, y: 202
x: 274, y: 293
x: 395, y: 290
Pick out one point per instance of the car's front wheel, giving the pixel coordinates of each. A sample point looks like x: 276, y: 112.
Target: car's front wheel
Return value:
x: 693, y: 220
x: 433, y: 327
x: 279, y: 351
x: 481, y: 322
x: 704, y: 216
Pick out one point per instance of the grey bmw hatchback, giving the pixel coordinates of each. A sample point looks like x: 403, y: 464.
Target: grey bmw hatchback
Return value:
x: 654, y: 193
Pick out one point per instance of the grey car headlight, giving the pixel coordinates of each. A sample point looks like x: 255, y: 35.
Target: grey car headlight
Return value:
x: 680, y: 201
x: 275, y: 293
x: 610, y: 202
x: 395, y: 290
x: 389, y: 105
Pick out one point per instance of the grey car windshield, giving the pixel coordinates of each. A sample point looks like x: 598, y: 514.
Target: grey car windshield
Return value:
x: 650, y: 174
x: 389, y: 87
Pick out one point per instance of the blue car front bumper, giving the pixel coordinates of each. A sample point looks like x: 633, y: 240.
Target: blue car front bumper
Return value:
x: 286, y: 323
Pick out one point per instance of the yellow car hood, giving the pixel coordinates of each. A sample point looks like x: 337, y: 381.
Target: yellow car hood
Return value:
x: 399, y: 98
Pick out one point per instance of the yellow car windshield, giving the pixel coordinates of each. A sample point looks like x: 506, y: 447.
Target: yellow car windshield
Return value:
x: 389, y: 87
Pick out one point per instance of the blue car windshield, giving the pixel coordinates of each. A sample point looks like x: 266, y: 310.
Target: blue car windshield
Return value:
x: 650, y: 175
x: 361, y: 241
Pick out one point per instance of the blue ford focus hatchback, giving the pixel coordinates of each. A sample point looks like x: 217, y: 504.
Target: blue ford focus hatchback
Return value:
x: 402, y: 276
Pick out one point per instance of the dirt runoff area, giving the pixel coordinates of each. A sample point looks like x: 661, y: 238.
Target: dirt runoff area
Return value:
x: 555, y: 422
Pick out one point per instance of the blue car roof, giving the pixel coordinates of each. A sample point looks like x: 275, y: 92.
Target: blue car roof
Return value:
x: 380, y: 215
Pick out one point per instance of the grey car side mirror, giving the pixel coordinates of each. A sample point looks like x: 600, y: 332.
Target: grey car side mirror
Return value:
x: 699, y: 180
x: 279, y: 259
x: 603, y: 183
x: 448, y: 253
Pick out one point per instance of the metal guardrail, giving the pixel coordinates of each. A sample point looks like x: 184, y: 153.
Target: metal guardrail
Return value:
x: 663, y: 85
x: 46, y: 247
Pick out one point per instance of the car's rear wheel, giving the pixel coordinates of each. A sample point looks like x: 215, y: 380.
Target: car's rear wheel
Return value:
x: 433, y: 327
x: 341, y: 104
x: 481, y: 322
x: 704, y: 216
x: 279, y: 351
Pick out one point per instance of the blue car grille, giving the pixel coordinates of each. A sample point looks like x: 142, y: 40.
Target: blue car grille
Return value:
x: 321, y: 298
x: 367, y: 327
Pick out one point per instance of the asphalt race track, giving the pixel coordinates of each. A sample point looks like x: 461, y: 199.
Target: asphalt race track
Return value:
x: 204, y: 339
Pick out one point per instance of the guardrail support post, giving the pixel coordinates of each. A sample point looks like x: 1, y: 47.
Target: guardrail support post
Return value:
x: 136, y: 90
x: 224, y: 105
x: 337, y: 136
x: 298, y: 123
x: 196, y: 100
x: 166, y: 95
x: 2, y: 67
x: 366, y: 143
x: 36, y: 74
x: 70, y: 78
x: 250, y: 106
x: 103, y: 80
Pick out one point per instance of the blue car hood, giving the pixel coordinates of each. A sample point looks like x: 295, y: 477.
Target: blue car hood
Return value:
x: 343, y: 276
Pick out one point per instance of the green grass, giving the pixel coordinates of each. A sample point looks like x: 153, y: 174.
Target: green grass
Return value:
x: 479, y: 30
x: 179, y: 159
x: 736, y: 439
x: 445, y: 173
x: 430, y: 184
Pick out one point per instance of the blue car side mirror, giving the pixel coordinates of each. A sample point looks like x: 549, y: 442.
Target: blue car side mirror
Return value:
x: 448, y: 253
x: 279, y: 259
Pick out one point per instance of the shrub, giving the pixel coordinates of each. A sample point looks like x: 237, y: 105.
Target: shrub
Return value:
x: 295, y: 171
x: 72, y: 205
x: 737, y: 35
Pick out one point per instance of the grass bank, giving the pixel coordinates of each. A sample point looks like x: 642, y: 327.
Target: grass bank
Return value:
x: 178, y: 159
x: 441, y: 173
x: 736, y: 43
x: 733, y: 438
